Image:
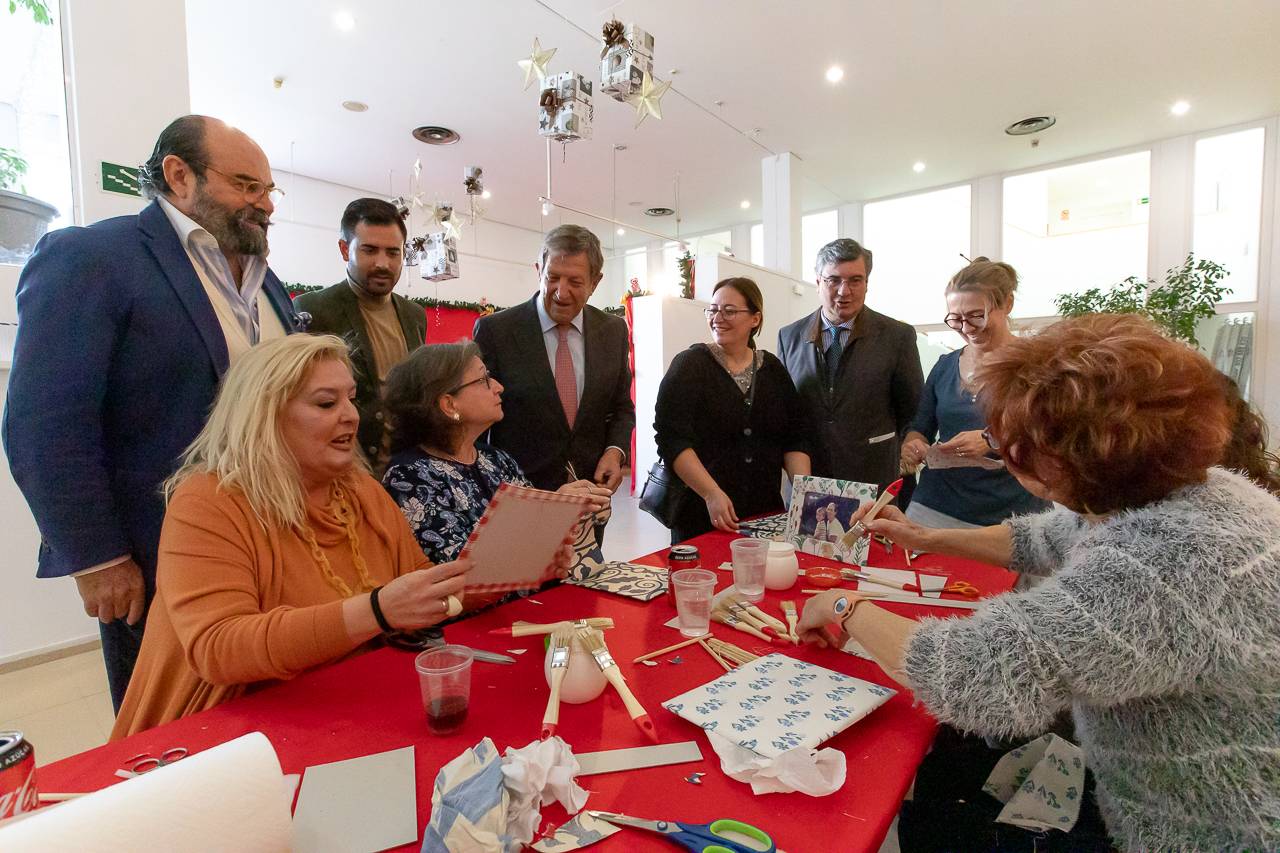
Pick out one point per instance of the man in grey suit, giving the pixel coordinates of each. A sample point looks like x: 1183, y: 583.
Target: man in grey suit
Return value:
x: 857, y: 371
x: 564, y: 368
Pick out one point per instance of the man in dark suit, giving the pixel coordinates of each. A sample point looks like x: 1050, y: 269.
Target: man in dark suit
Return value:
x: 563, y: 365
x: 857, y: 371
x: 379, y: 327
x: 125, y: 329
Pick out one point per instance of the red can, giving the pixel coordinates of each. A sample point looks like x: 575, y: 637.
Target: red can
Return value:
x: 17, y: 775
x: 680, y: 557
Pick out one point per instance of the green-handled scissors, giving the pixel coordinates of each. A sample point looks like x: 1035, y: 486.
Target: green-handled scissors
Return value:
x: 711, y: 837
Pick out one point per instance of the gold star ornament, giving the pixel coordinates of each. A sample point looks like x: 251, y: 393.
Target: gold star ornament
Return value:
x: 535, y: 67
x: 648, y: 101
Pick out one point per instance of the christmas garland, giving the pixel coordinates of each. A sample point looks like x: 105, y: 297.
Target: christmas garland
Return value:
x: 482, y: 307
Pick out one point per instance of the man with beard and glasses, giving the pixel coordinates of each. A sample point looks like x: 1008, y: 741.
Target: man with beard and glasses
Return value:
x: 380, y: 328
x: 125, y: 328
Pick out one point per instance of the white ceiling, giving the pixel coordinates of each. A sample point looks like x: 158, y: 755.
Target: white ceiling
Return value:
x: 924, y: 80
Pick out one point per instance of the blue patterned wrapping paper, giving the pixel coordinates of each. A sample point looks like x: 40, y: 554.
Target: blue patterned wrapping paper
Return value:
x: 777, y: 703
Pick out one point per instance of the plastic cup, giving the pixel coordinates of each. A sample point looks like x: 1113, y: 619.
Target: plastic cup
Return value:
x: 749, y: 559
x: 694, y: 589
x: 444, y: 676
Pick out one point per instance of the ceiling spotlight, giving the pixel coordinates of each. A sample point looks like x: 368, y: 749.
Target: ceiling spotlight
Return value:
x: 744, y: 204
x: 1179, y: 108
x: 918, y: 166
x: 344, y: 21
x: 434, y: 134
x: 355, y: 106
x: 835, y: 74
x: 621, y: 232
x: 486, y: 194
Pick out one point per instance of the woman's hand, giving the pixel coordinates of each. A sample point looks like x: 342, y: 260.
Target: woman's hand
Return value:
x: 598, y: 495
x: 420, y: 598
x: 913, y: 453
x: 969, y: 443
x: 896, y: 527
x: 819, y: 614
x: 720, y: 509
x: 565, y: 558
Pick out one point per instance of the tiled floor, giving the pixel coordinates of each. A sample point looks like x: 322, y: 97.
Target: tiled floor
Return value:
x: 63, y: 707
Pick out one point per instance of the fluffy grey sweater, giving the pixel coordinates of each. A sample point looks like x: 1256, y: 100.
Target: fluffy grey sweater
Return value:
x: 1159, y: 629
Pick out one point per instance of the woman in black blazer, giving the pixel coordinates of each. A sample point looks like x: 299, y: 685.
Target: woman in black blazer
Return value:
x: 729, y: 420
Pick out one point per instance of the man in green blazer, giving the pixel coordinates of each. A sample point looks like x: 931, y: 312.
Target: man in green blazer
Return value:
x: 380, y: 327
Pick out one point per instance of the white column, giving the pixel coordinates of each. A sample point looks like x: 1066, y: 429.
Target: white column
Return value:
x: 1172, y: 186
x: 781, y: 179
x: 848, y: 224
x: 659, y: 280
x: 986, y: 233
x: 740, y: 242
x: 1265, y: 387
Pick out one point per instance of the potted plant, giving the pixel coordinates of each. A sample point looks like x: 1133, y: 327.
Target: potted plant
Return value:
x: 1187, y: 296
x: 23, y: 219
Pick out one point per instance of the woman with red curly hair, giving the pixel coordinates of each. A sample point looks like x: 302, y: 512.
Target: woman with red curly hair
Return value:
x: 1158, y: 624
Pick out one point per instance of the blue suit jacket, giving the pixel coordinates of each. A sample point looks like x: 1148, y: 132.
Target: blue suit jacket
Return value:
x: 117, y: 361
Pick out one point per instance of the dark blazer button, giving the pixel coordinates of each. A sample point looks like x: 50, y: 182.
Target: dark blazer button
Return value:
x: 748, y: 460
x: 747, y: 431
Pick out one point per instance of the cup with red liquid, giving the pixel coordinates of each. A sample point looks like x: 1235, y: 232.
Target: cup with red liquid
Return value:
x: 444, y: 675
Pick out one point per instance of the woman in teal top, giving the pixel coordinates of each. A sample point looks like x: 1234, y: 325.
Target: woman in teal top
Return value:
x: 979, y: 299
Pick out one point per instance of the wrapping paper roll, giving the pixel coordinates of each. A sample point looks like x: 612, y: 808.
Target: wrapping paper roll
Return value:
x: 230, y: 797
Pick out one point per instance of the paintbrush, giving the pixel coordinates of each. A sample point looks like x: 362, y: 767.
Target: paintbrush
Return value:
x: 561, y: 650
x: 725, y: 617
x: 743, y: 612
x: 789, y: 610
x: 859, y: 529
x: 526, y: 629
x: 593, y: 641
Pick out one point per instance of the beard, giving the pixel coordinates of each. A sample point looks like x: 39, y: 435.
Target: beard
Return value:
x: 231, y: 228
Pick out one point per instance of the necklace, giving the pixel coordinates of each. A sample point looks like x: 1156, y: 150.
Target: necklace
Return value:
x: 453, y: 457
x: 346, y: 515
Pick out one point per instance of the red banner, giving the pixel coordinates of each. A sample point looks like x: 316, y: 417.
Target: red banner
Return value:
x: 450, y: 325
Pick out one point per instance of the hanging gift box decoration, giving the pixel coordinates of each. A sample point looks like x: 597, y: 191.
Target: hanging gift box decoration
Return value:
x: 565, y: 107
x: 439, y: 257
x: 626, y: 56
x: 473, y: 180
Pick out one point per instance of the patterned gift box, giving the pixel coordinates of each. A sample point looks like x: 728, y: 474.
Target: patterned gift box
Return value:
x: 777, y: 703
x: 439, y: 260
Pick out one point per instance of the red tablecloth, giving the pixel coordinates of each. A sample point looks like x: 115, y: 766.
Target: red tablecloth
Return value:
x: 371, y: 703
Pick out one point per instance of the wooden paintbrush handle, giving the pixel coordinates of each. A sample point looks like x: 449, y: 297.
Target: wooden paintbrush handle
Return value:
x: 771, y: 621
x: 634, y: 708
x: 742, y: 626
x: 552, y: 716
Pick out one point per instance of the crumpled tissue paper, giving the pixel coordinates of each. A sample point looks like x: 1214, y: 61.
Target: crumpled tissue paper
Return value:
x: 1040, y: 784
x: 816, y: 772
x: 534, y: 776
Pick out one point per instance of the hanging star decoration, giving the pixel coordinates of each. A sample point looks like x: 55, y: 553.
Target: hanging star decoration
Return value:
x: 535, y: 67
x: 452, y: 222
x: 648, y: 101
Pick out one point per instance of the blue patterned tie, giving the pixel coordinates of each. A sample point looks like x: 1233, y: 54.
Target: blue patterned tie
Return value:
x: 833, y: 356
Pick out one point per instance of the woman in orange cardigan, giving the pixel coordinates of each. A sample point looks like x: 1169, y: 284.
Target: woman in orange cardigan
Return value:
x: 279, y: 551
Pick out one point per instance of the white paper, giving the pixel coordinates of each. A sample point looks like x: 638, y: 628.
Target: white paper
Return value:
x: 808, y: 771
x: 582, y: 831
x: 226, y: 798
x: 534, y: 776
x: 931, y: 584
x: 633, y: 758
x: 360, y: 805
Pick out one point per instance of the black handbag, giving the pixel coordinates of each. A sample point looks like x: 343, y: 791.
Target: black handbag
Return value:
x: 662, y: 493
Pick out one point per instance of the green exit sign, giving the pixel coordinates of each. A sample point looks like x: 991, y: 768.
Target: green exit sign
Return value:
x: 120, y: 179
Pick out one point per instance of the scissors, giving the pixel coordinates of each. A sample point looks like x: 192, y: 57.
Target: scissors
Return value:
x: 700, y: 837
x: 145, y: 762
x: 962, y: 588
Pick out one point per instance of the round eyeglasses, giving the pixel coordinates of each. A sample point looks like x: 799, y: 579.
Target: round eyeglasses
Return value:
x: 975, y: 319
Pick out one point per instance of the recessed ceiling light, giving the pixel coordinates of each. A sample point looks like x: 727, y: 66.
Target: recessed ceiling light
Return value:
x: 835, y: 74
x: 344, y: 21
x: 744, y: 204
x: 486, y: 194
x: 917, y: 166
x: 1028, y: 126
x: 635, y: 204
x: 1180, y: 108
x: 622, y: 232
x: 659, y: 211
x: 355, y: 106
x: 433, y: 134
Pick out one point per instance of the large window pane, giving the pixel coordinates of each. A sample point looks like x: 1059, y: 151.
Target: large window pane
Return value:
x: 1228, y: 341
x: 816, y: 231
x: 1076, y: 227
x: 917, y: 243
x: 1228, y: 207
x: 635, y: 265
x: 717, y: 242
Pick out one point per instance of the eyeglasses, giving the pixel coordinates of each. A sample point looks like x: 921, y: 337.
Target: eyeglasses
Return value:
x: 253, y: 190
x: 834, y: 281
x: 485, y: 379
x: 728, y: 312
x: 976, y: 319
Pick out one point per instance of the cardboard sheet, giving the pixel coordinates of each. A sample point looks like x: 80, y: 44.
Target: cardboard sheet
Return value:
x: 514, y: 545
x: 613, y: 760
x: 360, y: 805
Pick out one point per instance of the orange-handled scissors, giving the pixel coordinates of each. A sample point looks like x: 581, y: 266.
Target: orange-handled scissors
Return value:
x: 962, y: 588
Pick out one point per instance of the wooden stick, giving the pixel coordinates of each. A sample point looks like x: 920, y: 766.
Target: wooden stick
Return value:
x: 729, y: 619
x: 740, y: 610
x: 789, y: 610
x: 561, y: 651
x: 525, y: 629
x: 645, y: 657
x: 772, y: 621
x: 731, y: 651
x: 707, y: 647
x: 907, y: 599
x: 57, y: 798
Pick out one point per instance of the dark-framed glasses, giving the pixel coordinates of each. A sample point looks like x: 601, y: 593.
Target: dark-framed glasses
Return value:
x: 252, y: 190
x: 834, y: 281
x: 976, y: 319
x: 726, y: 311
x: 486, y: 379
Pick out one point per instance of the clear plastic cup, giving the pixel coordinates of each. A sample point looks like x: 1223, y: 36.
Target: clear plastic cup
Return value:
x: 749, y: 559
x: 694, y: 589
x: 444, y: 675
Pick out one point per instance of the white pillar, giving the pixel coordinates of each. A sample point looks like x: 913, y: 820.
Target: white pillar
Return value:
x: 848, y: 224
x: 781, y: 179
x: 986, y: 232
x: 659, y: 280
x: 740, y: 242
x: 1171, y: 190
x: 1265, y: 387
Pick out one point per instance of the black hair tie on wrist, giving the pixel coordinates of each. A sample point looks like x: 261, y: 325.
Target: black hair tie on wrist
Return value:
x: 377, y: 611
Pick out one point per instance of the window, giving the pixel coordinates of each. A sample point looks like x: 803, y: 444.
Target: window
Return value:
x: 916, y: 243
x: 757, y: 244
x: 1228, y: 207
x: 816, y: 231
x: 1076, y: 227
x: 33, y: 108
x: 1228, y: 341
x: 717, y: 242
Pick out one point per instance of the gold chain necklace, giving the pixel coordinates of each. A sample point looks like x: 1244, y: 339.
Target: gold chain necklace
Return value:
x: 346, y: 515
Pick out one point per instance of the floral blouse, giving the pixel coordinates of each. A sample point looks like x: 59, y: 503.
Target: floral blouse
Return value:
x: 443, y: 499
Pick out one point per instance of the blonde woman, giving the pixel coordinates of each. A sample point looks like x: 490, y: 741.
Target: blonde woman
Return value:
x: 979, y: 299
x: 279, y: 551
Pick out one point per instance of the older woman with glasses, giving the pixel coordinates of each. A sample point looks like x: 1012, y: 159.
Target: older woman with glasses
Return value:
x: 441, y: 400
x: 1157, y: 624
x: 728, y: 419
x: 977, y: 490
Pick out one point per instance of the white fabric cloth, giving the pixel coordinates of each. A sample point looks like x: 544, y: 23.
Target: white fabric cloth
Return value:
x: 1040, y: 783
x: 816, y: 772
